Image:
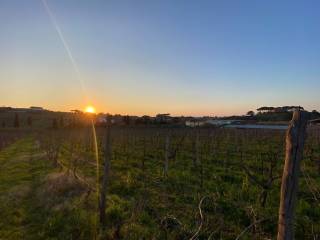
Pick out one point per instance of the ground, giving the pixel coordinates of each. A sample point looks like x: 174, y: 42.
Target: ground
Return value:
x: 219, y: 171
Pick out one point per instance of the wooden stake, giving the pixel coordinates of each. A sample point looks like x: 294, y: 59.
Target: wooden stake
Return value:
x: 295, y: 139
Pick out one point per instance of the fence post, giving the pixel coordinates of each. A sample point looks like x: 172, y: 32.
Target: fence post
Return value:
x: 295, y: 138
x: 105, y: 178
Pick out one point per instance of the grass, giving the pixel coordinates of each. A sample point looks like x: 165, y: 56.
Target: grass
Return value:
x: 39, y: 201
x: 21, y: 172
x: 25, y: 211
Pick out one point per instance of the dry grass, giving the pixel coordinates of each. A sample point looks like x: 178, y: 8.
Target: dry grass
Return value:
x: 62, y: 184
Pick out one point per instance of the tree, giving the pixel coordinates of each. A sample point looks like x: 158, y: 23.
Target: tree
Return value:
x: 250, y: 113
x: 126, y: 120
x: 16, y: 122
x: 315, y: 114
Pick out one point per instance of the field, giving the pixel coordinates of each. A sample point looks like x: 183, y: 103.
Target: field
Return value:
x: 164, y: 183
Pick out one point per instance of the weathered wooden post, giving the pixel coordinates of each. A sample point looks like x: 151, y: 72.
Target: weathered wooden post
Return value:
x: 105, y: 178
x: 295, y: 138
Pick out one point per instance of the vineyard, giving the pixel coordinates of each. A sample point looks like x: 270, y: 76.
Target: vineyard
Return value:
x: 162, y: 183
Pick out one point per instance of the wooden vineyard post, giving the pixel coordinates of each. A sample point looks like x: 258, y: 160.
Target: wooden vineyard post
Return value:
x: 105, y: 178
x: 295, y: 139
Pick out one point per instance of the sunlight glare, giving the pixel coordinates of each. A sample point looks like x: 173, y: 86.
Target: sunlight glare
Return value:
x: 90, y: 109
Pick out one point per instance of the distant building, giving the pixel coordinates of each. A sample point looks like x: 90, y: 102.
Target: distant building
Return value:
x: 20, y: 110
x: 194, y: 123
x: 210, y: 122
x: 101, y: 119
x: 163, y: 118
x: 76, y: 111
x: 36, y: 108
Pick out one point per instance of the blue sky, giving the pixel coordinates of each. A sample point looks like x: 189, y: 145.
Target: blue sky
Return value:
x: 144, y: 57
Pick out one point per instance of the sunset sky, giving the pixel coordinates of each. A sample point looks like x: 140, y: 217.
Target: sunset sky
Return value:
x: 154, y: 56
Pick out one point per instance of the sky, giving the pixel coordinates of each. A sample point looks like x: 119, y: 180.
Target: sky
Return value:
x: 183, y: 57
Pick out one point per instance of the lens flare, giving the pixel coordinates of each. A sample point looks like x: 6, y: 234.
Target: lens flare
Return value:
x: 66, y: 47
x: 89, y: 109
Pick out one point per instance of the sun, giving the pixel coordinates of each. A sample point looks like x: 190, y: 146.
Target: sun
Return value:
x: 90, y: 109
